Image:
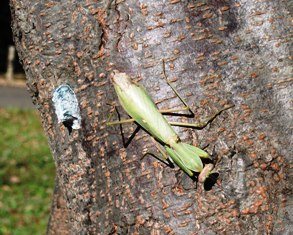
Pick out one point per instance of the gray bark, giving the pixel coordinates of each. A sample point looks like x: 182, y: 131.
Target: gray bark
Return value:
x: 218, y: 52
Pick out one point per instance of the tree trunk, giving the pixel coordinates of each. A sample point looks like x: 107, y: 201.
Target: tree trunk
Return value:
x: 217, y: 52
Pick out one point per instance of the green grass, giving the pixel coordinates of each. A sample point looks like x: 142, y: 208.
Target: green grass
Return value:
x: 27, y: 173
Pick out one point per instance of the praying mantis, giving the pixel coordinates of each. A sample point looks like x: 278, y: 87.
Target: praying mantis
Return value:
x: 140, y: 107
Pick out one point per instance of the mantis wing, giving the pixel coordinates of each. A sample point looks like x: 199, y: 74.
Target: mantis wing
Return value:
x: 139, y: 105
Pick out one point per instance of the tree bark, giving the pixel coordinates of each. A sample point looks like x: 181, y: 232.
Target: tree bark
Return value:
x: 218, y: 52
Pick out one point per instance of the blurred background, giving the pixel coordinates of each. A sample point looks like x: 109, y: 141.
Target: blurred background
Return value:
x: 27, y: 170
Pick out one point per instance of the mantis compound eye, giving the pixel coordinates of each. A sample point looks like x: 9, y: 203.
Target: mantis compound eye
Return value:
x: 66, y: 107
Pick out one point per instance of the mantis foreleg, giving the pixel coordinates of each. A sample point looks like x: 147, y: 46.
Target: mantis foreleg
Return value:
x: 167, y: 160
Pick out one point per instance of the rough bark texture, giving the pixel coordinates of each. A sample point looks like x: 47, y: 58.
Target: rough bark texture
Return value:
x: 217, y: 52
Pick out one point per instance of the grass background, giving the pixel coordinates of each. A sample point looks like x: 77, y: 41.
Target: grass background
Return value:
x: 27, y: 173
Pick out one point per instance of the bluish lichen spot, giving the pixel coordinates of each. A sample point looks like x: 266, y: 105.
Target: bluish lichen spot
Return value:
x: 66, y: 107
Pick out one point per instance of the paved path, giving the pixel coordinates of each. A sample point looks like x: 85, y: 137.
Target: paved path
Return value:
x: 15, y: 97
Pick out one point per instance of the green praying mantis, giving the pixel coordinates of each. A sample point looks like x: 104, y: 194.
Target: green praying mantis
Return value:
x: 140, y: 107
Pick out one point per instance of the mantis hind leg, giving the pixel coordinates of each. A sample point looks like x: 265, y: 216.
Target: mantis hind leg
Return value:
x: 186, y: 108
x: 200, y: 125
x: 126, y: 141
x: 131, y: 120
x: 110, y: 123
